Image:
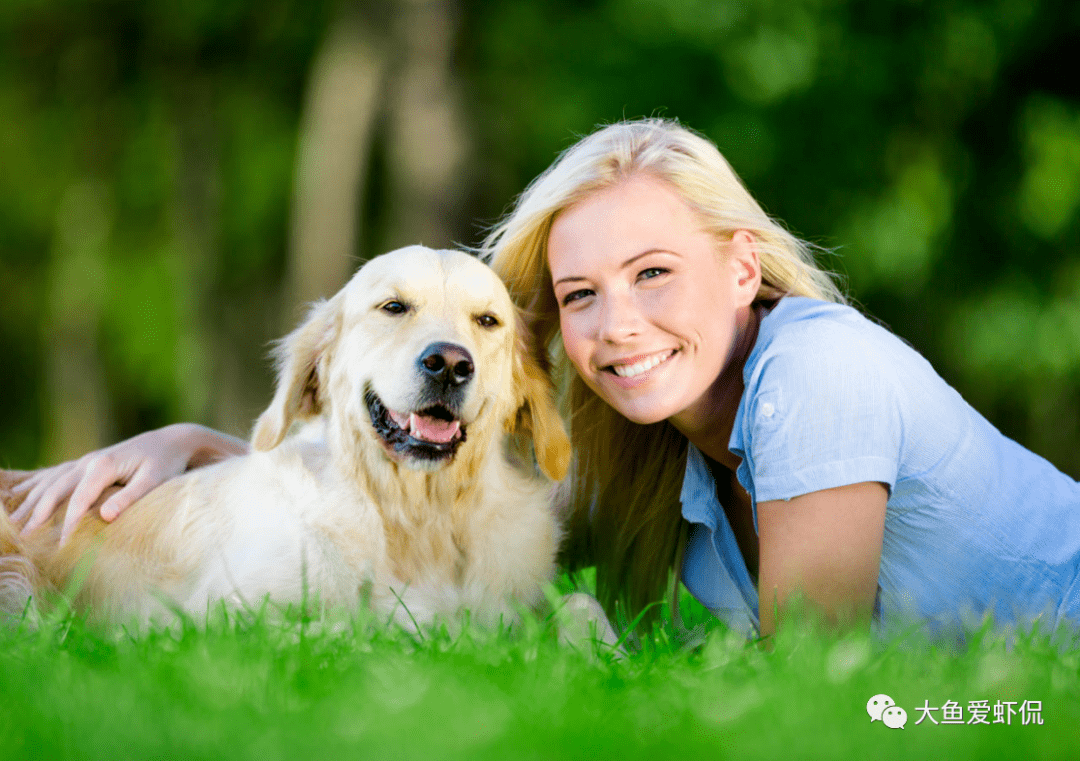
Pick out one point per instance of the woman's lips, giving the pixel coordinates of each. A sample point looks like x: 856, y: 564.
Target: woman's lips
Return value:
x: 634, y: 367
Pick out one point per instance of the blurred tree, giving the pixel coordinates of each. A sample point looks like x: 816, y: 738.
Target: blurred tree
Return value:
x: 337, y: 128
x: 147, y: 152
x: 174, y: 179
x: 381, y: 72
x: 79, y: 409
x: 932, y: 145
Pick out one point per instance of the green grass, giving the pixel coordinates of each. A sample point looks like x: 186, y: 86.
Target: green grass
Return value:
x: 261, y: 686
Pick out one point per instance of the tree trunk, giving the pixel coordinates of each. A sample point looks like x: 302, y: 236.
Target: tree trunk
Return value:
x: 78, y: 419
x: 336, y: 131
x: 427, y: 143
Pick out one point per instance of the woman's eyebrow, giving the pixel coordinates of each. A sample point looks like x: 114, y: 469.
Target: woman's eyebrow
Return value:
x: 624, y: 265
x: 634, y: 258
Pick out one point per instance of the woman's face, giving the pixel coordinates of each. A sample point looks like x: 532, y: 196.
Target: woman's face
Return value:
x: 649, y: 302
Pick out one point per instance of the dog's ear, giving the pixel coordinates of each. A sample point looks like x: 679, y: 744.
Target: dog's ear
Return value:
x: 301, y: 358
x: 536, y: 410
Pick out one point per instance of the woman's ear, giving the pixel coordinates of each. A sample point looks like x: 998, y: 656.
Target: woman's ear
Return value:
x: 301, y: 358
x: 742, y: 257
x: 537, y: 414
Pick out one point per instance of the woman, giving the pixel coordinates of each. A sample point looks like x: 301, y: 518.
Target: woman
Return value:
x: 732, y: 419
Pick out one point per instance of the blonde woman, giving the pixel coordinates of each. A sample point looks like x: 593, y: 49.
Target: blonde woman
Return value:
x: 734, y: 422
x: 735, y: 425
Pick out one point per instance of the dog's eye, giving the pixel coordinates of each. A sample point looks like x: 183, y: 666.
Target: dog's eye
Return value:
x: 394, y: 307
x: 487, y: 320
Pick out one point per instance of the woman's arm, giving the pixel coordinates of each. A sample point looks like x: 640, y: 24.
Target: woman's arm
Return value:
x: 825, y: 545
x: 139, y: 464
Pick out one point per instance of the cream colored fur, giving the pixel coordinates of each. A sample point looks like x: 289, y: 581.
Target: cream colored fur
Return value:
x: 321, y: 510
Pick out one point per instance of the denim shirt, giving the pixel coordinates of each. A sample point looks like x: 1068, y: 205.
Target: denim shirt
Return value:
x: 975, y: 524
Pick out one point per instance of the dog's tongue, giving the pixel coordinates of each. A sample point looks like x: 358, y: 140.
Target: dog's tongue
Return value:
x: 432, y: 429
x: 427, y: 428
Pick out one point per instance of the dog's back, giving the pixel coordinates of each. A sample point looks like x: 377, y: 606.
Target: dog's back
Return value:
x: 233, y: 531
x: 281, y: 525
x: 103, y: 567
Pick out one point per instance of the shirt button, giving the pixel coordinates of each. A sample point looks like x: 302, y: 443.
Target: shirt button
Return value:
x: 767, y: 410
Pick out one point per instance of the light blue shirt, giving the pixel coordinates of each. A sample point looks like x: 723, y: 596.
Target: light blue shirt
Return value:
x: 975, y: 524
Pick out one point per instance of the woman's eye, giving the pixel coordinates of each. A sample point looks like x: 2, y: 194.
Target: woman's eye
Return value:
x: 394, y: 307
x: 575, y: 296
x: 652, y: 272
x: 487, y: 320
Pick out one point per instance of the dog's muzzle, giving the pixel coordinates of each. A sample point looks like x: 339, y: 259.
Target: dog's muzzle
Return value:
x: 431, y: 434
x: 432, y: 431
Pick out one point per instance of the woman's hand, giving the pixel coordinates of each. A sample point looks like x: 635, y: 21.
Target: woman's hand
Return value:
x: 138, y: 464
x: 825, y: 545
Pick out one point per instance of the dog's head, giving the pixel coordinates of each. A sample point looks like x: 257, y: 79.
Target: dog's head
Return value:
x: 421, y: 354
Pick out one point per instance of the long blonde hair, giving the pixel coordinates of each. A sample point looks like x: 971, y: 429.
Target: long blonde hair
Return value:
x: 625, y: 478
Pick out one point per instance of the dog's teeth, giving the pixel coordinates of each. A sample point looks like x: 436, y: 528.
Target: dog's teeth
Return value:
x: 404, y: 422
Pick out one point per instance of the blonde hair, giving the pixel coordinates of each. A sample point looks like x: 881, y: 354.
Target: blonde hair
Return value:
x: 625, y: 478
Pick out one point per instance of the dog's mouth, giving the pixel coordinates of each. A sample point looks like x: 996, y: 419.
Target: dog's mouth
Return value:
x: 433, y: 433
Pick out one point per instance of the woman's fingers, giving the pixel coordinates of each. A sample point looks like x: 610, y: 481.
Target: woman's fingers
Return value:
x: 145, y: 479
x: 43, y: 479
x: 143, y: 482
x: 35, y: 485
x: 29, y: 482
x: 51, y: 494
x: 138, y: 464
x: 100, y: 473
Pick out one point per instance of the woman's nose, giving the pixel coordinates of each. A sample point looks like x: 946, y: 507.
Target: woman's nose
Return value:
x: 619, y: 318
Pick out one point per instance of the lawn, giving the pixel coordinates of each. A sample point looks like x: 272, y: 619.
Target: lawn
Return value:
x: 264, y: 685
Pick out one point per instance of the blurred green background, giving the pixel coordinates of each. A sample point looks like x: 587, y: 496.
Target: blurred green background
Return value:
x: 177, y: 178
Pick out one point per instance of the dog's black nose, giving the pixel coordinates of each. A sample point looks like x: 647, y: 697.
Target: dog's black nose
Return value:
x: 447, y: 364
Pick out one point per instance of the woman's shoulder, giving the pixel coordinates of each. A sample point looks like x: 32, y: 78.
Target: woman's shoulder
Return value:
x: 830, y: 398
x: 824, y: 369
x: 794, y: 318
x: 804, y: 334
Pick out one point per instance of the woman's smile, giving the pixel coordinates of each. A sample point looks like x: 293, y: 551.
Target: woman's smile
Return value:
x: 634, y: 367
x: 648, y: 299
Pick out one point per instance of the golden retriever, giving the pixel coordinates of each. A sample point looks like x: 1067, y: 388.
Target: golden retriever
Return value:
x: 394, y: 464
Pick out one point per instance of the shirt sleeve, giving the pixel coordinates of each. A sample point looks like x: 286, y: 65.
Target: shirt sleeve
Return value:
x: 821, y: 409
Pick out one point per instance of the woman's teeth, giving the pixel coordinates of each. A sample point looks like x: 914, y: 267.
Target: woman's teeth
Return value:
x: 629, y: 371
